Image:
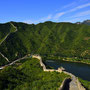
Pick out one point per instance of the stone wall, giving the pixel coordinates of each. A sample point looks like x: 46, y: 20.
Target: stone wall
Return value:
x: 75, y: 79
x: 74, y: 84
x: 80, y: 85
x: 44, y: 67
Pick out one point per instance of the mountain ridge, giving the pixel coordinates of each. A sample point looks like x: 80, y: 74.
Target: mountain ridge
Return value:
x: 48, y: 38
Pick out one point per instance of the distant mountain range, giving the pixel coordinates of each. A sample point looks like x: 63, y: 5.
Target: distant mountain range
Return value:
x: 87, y: 22
x: 48, y: 38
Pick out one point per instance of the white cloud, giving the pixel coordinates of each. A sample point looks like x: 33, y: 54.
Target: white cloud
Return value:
x: 69, y: 5
x: 78, y: 17
x: 28, y: 21
x: 39, y: 20
x: 46, y: 18
x: 79, y: 7
x: 84, y: 13
x: 74, y: 19
x: 58, y: 15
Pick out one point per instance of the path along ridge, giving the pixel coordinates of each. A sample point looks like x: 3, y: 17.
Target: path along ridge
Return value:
x: 74, y: 84
x: 4, y: 40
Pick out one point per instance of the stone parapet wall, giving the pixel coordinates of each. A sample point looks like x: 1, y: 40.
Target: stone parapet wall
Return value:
x: 43, y: 65
x: 80, y: 85
x: 74, y: 84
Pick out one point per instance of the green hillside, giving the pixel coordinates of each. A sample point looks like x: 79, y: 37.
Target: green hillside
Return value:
x: 6, y: 29
x: 2, y: 61
x: 28, y: 75
x: 85, y: 83
x: 49, y: 38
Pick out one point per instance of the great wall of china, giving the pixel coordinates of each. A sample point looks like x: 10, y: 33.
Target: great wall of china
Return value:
x: 74, y: 84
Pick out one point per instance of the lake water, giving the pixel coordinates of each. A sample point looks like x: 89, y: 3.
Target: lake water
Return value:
x: 78, y: 69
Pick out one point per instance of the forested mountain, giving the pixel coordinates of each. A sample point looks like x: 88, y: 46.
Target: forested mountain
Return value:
x: 48, y: 38
x: 29, y: 75
x: 87, y: 22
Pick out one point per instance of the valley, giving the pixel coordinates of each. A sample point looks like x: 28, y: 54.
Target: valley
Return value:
x: 20, y: 41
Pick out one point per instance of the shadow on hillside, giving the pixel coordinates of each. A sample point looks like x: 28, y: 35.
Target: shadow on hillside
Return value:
x: 66, y: 87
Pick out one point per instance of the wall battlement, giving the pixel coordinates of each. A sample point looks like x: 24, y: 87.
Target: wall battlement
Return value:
x: 74, y: 84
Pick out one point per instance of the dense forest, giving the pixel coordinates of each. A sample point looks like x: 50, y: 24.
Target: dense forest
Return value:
x: 48, y: 38
x: 29, y: 75
x: 51, y: 40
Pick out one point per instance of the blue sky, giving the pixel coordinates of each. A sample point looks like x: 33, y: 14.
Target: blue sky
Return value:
x: 35, y: 11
